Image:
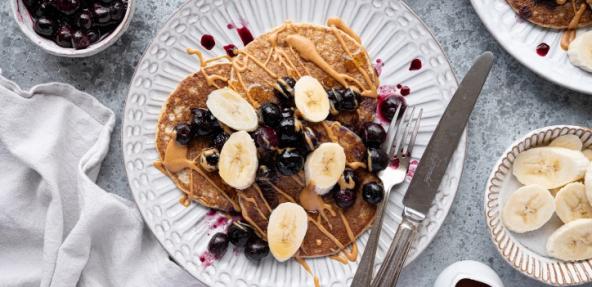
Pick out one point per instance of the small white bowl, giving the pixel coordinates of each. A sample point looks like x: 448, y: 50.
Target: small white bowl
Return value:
x: 25, y: 22
x: 526, y: 252
x: 468, y: 269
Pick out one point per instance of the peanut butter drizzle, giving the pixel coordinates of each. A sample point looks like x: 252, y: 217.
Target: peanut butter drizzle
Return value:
x: 339, y: 258
x: 254, y: 202
x: 337, y: 24
x: 210, y: 79
x: 570, y: 33
x: 356, y: 165
x: 313, y: 202
x: 326, y: 232
x: 297, y: 179
x: 175, y: 160
x: 329, y: 131
x: 280, y: 191
x: 308, y: 270
x: 256, y: 186
x: 184, y: 200
x: 353, y: 254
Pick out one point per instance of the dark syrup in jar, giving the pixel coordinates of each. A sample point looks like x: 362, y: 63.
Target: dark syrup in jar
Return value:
x: 542, y: 49
x: 470, y: 283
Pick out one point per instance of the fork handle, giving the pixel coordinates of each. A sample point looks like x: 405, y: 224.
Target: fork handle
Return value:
x: 389, y: 271
x: 365, y: 270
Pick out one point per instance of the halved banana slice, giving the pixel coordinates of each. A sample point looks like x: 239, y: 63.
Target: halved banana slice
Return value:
x: 324, y: 167
x: 286, y: 229
x: 588, y: 183
x: 528, y: 208
x: 550, y: 167
x: 311, y: 99
x: 232, y: 110
x: 568, y: 141
x: 580, y: 51
x: 572, y: 241
x: 588, y: 153
x: 238, y: 161
x: 571, y: 203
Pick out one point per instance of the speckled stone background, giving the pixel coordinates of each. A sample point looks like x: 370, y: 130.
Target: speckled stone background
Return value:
x: 514, y: 101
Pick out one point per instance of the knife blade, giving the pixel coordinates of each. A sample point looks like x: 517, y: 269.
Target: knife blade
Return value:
x: 445, y: 139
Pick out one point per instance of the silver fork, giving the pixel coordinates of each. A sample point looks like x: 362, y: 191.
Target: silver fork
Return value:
x: 391, y: 176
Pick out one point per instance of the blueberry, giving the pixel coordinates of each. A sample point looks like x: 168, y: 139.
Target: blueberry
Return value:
x: 208, y: 159
x: 284, y: 90
x: 335, y: 100
x: 203, y: 123
x: 63, y: 37
x: 44, y: 27
x: 373, y: 192
x: 377, y: 160
x: 80, y: 40
x: 101, y: 14
x: 239, y: 233
x: 390, y: 105
x: 344, y: 198
x: 93, y: 35
x: 44, y: 9
x: 184, y: 134
x: 106, y: 1
x: 264, y: 173
x: 117, y: 11
x: 373, y: 134
x: 271, y: 114
x: 218, y: 245
x: 287, y: 112
x: 266, y: 138
x: 67, y: 7
x: 84, y: 20
x: 287, y: 132
x: 348, y: 179
x: 289, y: 162
x: 311, y: 141
x: 256, y: 249
x: 349, y: 100
x: 219, y: 139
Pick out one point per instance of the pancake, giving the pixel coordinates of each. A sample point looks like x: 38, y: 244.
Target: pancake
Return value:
x: 257, y: 203
x: 548, y: 14
x: 271, y: 56
x: 191, y: 93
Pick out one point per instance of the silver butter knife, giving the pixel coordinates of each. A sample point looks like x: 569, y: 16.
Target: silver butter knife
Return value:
x: 431, y: 169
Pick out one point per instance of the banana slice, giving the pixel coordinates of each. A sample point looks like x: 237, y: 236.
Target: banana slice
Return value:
x: 286, y: 229
x: 550, y: 167
x: 324, y: 167
x: 232, y: 110
x: 588, y: 153
x: 572, y: 241
x: 528, y: 208
x: 571, y: 203
x: 238, y: 161
x: 568, y: 141
x: 580, y: 51
x: 588, y: 183
x: 311, y: 99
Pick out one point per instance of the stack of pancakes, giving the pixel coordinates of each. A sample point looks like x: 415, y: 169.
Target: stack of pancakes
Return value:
x: 550, y: 13
x: 251, y: 80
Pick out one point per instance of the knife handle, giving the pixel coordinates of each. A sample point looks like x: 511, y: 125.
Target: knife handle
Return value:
x: 391, y: 267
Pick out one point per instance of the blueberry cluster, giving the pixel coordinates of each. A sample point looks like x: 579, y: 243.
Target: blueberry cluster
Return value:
x: 76, y: 23
x: 239, y: 234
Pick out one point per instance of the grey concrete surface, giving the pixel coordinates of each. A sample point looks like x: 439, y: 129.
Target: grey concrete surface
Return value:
x: 514, y: 101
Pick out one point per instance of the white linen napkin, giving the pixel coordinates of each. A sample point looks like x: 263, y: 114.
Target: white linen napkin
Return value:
x: 57, y: 227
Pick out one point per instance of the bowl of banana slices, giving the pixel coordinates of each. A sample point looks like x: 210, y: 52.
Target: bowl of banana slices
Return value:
x: 538, y: 205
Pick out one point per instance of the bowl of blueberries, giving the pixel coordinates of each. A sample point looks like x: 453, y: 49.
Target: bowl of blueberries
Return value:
x: 73, y: 28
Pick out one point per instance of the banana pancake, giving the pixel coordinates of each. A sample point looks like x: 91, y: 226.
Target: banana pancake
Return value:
x: 332, y: 54
x: 191, y: 93
x: 327, y: 233
x: 549, y: 14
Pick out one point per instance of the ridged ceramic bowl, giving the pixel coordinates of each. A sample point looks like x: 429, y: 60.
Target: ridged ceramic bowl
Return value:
x: 25, y: 23
x: 526, y: 252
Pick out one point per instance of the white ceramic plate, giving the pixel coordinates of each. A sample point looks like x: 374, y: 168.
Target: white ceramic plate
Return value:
x: 526, y: 252
x: 391, y: 32
x: 520, y: 38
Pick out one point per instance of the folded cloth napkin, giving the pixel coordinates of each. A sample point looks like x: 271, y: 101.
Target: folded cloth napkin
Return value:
x: 57, y: 227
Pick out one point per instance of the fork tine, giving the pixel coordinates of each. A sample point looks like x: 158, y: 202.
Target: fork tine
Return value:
x: 403, y: 139
x: 393, y: 130
x: 409, y: 147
